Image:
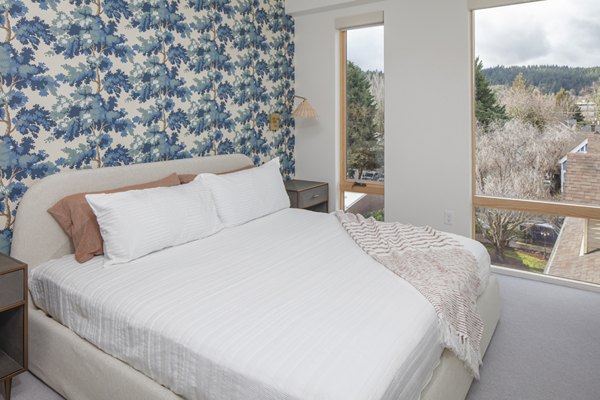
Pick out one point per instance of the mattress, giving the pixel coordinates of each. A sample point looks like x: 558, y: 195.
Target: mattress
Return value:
x: 284, y: 307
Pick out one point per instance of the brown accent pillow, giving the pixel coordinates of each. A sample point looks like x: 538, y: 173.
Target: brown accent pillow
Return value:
x: 187, y: 178
x: 77, y: 219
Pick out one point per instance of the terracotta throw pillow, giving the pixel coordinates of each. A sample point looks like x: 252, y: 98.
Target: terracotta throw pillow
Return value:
x: 187, y: 178
x: 77, y: 219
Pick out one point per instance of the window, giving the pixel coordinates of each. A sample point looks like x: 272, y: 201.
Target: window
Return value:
x: 362, y: 121
x: 536, y: 138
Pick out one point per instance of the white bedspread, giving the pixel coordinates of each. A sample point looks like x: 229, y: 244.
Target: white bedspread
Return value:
x: 284, y: 307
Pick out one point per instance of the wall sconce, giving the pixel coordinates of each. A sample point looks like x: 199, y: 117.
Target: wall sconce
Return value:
x: 305, y: 110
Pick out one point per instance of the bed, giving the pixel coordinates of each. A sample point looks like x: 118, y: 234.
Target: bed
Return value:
x: 289, y: 269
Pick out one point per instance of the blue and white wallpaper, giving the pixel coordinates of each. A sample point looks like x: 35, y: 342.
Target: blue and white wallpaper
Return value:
x: 94, y: 83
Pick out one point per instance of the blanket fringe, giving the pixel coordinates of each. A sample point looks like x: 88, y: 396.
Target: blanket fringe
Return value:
x: 461, y: 346
x: 410, y: 252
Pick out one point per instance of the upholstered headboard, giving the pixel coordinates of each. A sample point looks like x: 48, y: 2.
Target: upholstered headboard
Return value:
x: 38, y: 238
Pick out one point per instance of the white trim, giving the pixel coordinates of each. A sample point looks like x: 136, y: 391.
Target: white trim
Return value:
x: 359, y: 21
x: 553, y: 253
x: 590, y: 287
x: 576, y: 149
x: 481, y: 4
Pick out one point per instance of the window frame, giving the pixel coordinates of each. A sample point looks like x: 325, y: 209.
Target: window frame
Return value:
x: 505, y: 203
x: 350, y: 185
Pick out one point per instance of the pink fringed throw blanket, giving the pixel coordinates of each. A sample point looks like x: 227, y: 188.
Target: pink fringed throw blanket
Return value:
x: 443, y: 271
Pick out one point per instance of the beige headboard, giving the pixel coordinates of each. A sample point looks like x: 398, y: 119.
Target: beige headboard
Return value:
x: 38, y: 238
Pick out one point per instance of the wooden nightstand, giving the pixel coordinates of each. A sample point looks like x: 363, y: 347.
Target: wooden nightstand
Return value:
x: 308, y: 195
x: 13, y: 321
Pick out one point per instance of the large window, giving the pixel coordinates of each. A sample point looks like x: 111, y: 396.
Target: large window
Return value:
x: 362, y: 121
x: 537, y: 137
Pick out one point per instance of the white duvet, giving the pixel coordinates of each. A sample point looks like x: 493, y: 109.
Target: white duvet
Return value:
x: 283, y: 307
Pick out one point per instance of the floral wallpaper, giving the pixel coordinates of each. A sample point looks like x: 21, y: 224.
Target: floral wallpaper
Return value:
x: 95, y: 83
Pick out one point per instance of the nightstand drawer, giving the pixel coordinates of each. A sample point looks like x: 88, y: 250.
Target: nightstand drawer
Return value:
x: 313, y: 196
x: 11, y: 288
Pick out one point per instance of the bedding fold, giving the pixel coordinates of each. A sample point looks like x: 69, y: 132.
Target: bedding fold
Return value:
x: 443, y: 271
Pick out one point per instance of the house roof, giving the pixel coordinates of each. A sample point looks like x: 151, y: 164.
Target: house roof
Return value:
x: 567, y: 261
x: 579, y: 139
x: 582, y: 179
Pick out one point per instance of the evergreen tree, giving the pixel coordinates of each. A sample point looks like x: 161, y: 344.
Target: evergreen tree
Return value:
x: 487, y: 108
x: 549, y: 78
x: 568, y: 106
x: 360, y: 125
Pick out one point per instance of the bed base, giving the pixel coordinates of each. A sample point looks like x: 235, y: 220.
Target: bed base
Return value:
x: 78, y: 370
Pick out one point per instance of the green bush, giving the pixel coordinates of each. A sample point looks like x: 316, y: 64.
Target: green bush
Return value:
x: 377, y: 214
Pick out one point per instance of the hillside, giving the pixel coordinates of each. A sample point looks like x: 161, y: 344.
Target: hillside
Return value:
x: 551, y: 78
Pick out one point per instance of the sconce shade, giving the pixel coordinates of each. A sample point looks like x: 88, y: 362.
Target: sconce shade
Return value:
x: 305, y: 110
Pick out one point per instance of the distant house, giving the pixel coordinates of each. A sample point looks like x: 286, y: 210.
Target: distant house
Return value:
x: 576, y: 254
x: 580, y: 172
x: 588, y: 110
x: 582, y: 147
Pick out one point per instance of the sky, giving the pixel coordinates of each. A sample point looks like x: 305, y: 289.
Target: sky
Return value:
x: 561, y: 32
x: 365, y: 47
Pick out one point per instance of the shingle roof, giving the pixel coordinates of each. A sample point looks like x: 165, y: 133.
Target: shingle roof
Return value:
x: 582, y: 179
x: 567, y: 261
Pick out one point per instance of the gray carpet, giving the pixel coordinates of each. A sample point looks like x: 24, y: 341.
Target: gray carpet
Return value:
x: 546, y: 347
x: 28, y: 387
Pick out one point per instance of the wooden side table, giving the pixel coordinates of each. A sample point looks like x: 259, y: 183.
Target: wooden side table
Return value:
x: 13, y: 321
x: 308, y: 195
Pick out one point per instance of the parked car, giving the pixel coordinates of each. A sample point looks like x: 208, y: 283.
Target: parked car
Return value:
x: 541, y: 233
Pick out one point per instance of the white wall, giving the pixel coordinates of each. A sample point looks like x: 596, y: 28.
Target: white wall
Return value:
x: 299, y: 7
x: 427, y: 125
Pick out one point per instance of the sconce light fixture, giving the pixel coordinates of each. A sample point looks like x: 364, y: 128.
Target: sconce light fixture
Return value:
x: 305, y: 110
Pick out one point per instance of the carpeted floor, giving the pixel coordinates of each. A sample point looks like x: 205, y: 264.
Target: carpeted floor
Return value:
x: 28, y: 387
x: 546, y: 347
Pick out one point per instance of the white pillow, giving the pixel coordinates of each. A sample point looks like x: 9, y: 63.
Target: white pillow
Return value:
x: 139, y: 222
x: 246, y: 195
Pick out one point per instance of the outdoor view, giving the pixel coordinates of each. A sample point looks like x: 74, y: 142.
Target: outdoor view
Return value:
x: 364, y: 114
x: 537, y: 78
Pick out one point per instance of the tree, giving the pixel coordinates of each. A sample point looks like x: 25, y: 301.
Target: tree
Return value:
x: 18, y: 161
x: 567, y: 106
x: 513, y: 160
x: 549, y: 78
x: 91, y: 111
x: 156, y: 81
x: 281, y: 71
x: 250, y: 93
x: 529, y: 104
x: 95, y: 118
x: 362, y: 139
x: 21, y: 122
x: 377, y: 87
x: 209, y: 116
x: 487, y: 108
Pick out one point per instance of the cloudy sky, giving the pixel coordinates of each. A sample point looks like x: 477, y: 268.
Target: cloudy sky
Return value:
x: 365, y: 47
x: 562, y: 32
